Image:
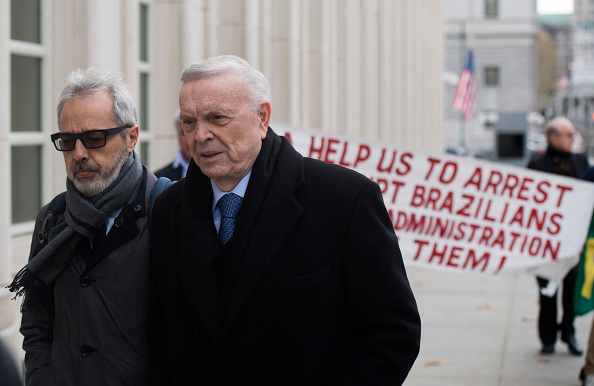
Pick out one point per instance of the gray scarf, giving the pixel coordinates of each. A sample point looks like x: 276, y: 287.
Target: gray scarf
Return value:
x: 83, y: 218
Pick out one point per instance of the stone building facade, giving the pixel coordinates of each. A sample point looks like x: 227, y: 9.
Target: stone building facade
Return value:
x: 502, y: 34
x: 368, y: 68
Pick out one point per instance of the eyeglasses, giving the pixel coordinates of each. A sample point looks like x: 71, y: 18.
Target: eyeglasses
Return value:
x: 92, y: 139
x: 569, y: 135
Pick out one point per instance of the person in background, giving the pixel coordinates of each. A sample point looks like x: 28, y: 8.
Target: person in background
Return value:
x: 85, y: 287
x: 558, y: 159
x: 9, y: 375
x: 271, y: 268
x: 587, y: 373
x: 176, y: 170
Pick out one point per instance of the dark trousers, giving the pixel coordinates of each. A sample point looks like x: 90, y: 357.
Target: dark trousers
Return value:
x: 547, y: 317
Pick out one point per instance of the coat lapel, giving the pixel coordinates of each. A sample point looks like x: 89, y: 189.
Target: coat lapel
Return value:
x: 123, y: 229
x: 198, y: 246
x: 268, y: 214
x: 268, y: 217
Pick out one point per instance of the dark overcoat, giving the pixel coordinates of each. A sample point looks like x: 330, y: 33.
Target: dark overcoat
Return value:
x: 546, y: 163
x: 320, y: 294
x: 92, y: 328
x: 171, y: 172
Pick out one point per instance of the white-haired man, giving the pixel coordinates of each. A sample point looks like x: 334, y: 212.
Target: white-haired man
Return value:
x: 272, y: 268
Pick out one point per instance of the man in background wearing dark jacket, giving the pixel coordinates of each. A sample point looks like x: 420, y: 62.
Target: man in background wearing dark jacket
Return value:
x: 177, y: 169
x: 559, y: 159
x: 9, y: 375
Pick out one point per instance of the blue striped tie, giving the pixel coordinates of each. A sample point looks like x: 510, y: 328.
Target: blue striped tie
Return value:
x: 229, y: 206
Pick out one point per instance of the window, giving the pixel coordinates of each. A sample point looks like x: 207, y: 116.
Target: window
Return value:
x: 28, y: 111
x: 144, y: 151
x: 25, y: 72
x: 491, y: 8
x: 25, y: 20
x: 491, y: 76
x: 144, y: 101
x: 144, y: 24
x: 144, y: 81
x: 565, y: 107
x: 510, y: 145
x: 25, y: 182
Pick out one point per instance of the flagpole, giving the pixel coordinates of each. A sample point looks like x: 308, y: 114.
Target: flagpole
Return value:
x: 462, y: 134
x: 468, y: 46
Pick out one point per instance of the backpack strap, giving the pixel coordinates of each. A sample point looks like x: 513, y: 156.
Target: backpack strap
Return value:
x: 53, y: 210
x: 161, y: 184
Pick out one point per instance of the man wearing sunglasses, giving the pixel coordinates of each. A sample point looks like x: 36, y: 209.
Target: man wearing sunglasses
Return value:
x: 85, y: 286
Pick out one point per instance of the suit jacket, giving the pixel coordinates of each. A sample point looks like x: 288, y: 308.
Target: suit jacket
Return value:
x: 174, y: 174
x: 321, y: 295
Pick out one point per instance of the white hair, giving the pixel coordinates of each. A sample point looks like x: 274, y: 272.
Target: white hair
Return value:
x: 256, y: 83
x: 86, y: 83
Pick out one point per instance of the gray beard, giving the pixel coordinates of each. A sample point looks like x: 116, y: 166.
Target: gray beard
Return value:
x: 90, y: 187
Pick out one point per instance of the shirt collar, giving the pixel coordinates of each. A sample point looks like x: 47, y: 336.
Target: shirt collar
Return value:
x: 239, y: 189
x: 179, y: 160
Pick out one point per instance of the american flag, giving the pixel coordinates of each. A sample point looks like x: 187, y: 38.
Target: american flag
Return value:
x: 464, y: 97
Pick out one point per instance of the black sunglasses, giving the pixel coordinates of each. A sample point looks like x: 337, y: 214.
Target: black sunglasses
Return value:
x: 92, y: 139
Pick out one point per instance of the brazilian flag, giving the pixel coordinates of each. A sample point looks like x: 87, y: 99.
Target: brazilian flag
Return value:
x: 583, y: 300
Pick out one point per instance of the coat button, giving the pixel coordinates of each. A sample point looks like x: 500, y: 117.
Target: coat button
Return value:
x: 118, y: 222
x: 137, y: 208
x: 86, y: 351
x: 85, y: 281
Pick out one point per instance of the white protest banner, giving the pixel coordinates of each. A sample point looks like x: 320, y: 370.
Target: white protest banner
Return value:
x: 462, y: 214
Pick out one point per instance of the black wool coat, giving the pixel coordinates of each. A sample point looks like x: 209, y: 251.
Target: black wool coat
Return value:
x: 546, y: 162
x: 174, y: 174
x: 320, y: 294
x: 92, y: 328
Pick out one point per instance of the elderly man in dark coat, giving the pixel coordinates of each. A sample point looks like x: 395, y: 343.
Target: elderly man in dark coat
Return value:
x: 272, y: 268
